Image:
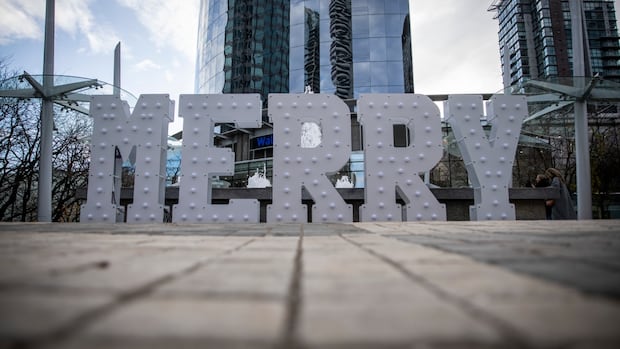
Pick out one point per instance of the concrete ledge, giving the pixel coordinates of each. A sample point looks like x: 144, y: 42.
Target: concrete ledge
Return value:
x: 529, y: 202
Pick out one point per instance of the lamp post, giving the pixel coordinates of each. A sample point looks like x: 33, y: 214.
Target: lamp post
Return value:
x: 582, y: 147
x: 44, y: 207
x: 66, y: 95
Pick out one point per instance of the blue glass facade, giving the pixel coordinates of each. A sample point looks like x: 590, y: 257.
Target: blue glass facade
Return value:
x: 243, y: 47
x: 345, y: 47
x: 211, y: 36
x: 341, y: 47
x: 351, y: 47
x: 536, y: 36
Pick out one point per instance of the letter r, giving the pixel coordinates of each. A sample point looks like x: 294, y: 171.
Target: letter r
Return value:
x: 295, y: 167
x: 387, y: 168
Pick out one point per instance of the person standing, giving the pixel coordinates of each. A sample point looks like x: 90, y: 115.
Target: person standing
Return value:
x: 542, y: 181
x: 562, y: 207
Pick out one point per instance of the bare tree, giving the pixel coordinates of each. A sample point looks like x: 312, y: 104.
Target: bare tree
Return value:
x: 70, y: 163
x: 19, y: 141
x: 19, y: 156
x: 605, y: 159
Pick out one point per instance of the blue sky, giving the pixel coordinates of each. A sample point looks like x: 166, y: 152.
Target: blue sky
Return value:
x: 158, y: 41
x: 454, y: 43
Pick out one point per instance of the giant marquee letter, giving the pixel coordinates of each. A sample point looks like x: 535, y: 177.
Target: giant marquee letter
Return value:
x: 295, y: 166
x: 201, y: 159
x: 388, y: 168
x: 146, y: 129
x: 488, y: 159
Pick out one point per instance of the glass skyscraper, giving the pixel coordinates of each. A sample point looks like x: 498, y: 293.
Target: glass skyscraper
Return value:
x: 342, y: 47
x: 243, y: 47
x: 348, y: 47
x: 536, y: 36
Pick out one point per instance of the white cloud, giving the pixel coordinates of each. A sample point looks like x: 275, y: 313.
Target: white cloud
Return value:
x: 147, y: 64
x: 75, y: 18
x: 455, y: 48
x: 24, y: 19
x: 101, y: 40
x: 170, y: 75
x: 170, y: 23
x: 19, y: 19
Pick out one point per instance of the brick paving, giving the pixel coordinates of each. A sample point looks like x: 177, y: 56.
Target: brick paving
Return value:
x: 523, y: 284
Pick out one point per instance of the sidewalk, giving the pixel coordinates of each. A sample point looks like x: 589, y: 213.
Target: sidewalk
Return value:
x: 522, y: 284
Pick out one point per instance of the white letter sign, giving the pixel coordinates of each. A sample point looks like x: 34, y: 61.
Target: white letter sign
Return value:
x: 488, y: 159
x: 202, y: 159
x: 295, y: 166
x: 388, y: 168
x: 114, y: 128
x: 402, y: 136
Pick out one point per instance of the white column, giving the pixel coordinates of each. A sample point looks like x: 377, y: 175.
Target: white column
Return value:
x: 44, y: 208
x: 582, y: 146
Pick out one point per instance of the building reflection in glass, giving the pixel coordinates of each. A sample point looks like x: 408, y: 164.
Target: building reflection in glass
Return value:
x: 243, y: 47
x: 364, y: 46
x: 341, y: 47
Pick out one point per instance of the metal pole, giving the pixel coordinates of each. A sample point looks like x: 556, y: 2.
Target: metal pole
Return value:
x: 118, y: 161
x: 44, y: 209
x: 582, y: 146
x: 117, y: 70
x: 506, y: 71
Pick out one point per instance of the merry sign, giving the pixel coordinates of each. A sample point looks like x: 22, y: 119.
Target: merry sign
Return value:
x: 387, y: 168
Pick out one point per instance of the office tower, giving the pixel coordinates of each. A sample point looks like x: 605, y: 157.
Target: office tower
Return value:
x: 535, y: 38
x: 351, y: 46
x: 342, y: 47
x: 243, y: 47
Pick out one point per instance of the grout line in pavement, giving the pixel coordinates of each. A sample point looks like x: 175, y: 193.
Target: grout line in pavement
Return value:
x: 513, y: 336
x: 79, y: 323
x: 289, y: 339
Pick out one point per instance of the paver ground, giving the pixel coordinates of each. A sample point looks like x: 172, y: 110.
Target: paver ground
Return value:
x: 523, y: 284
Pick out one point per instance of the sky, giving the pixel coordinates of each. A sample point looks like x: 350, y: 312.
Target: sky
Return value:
x: 455, y: 43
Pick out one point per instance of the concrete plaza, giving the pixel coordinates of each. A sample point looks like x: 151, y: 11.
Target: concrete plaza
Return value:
x: 522, y: 284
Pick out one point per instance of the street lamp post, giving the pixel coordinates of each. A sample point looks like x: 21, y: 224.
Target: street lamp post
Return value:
x: 44, y: 207
x: 582, y: 147
x: 67, y: 95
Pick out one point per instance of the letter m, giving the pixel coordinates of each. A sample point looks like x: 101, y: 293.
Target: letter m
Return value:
x: 115, y: 133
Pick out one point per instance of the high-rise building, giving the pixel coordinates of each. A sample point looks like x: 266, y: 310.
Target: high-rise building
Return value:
x: 341, y: 47
x: 243, y: 47
x: 344, y: 47
x: 535, y: 39
x: 348, y: 47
